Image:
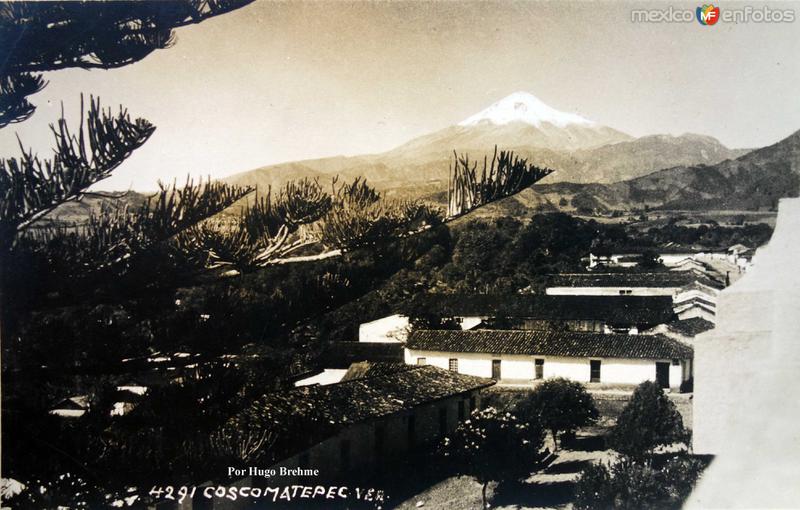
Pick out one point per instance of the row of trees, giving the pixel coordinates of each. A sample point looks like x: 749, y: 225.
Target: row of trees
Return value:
x: 497, y: 445
x: 641, y: 478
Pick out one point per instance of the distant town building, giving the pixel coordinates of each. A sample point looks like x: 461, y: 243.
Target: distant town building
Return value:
x: 664, y: 283
x: 71, y: 407
x: 668, y: 255
x: 696, y: 300
x: 525, y: 356
x: 684, y: 330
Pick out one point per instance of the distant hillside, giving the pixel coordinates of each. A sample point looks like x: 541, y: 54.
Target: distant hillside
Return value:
x: 78, y: 212
x: 578, y: 149
x: 751, y: 182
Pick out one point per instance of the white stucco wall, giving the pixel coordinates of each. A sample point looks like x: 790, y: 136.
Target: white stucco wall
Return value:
x: 522, y: 367
x: 327, y: 376
x: 610, y: 291
x: 745, y: 407
x: 393, y: 328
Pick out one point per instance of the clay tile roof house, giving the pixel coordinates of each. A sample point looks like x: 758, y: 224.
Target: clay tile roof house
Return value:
x: 525, y: 356
x: 665, y: 283
x: 684, y: 330
x: 380, y: 412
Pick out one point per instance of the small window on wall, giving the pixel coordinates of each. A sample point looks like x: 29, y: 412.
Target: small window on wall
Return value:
x: 538, y: 369
x: 421, y: 361
x: 453, y: 364
x: 594, y: 370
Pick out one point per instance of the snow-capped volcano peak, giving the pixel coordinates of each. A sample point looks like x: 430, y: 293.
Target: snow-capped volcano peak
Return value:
x: 527, y: 108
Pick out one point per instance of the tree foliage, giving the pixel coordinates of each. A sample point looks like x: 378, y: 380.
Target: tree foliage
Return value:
x: 31, y: 187
x: 505, y: 175
x: 630, y: 485
x: 492, y: 445
x: 561, y: 406
x: 649, y: 420
x: 36, y: 37
x: 351, y: 216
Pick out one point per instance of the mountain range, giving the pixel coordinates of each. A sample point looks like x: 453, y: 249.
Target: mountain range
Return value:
x: 598, y: 169
x: 580, y: 150
x: 753, y: 181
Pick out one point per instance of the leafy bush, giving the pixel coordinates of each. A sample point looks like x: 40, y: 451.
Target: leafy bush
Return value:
x: 594, y: 488
x: 491, y: 445
x: 649, y: 420
x: 632, y: 485
x: 560, y: 406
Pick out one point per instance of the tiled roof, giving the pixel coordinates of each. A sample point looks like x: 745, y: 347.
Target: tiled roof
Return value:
x: 662, y: 279
x: 549, y: 343
x: 690, y: 327
x: 364, y: 369
x: 304, y: 416
x: 623, y: 310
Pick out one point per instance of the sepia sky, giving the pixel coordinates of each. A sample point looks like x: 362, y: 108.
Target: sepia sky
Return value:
x: 276, y: 82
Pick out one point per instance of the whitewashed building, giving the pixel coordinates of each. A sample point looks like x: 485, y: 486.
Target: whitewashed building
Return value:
x: 525, y: 356
x: 378, y: 415
x: 696, y: 300
x: 393, y: 328
x: 72, y: 407
x: 665, y: 283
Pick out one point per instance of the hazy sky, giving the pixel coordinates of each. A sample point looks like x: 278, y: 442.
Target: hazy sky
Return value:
x: 277, y: 82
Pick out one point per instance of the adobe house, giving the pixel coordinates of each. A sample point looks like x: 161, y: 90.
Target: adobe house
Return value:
x: 377, y: 414
x: 684, y: 330
x: 696, y: 300
x: 525, y: 356
x: 665, y: 283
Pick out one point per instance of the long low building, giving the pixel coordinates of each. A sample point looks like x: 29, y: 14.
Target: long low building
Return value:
x: 529, y: 355
x: 380, y: 411
x: 665, y: 283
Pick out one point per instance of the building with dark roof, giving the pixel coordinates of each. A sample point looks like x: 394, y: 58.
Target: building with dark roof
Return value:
x: 683, y: 330
x: 537, y: 354
x: 383, y: 411
x: 575, y: 313
x: 665, y: 283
